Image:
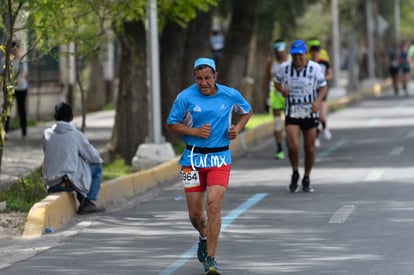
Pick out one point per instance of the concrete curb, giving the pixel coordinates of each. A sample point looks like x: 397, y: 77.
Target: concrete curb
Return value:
x: 374, y: 90
x: 57, y: 210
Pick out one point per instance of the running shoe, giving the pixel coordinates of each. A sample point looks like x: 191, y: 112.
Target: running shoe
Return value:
x: 306, y: 186
x: 202, y: 250
x: 317, y: 143
x: 327, y: 134
x: 280, y: 155
x: 210, y: 266
x: 293, y: 187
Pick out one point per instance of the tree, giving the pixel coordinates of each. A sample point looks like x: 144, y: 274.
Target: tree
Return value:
x: 234, y: 61
x: 10, y: 14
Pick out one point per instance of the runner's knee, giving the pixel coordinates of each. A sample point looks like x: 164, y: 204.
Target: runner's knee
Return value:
x: 278, y: 124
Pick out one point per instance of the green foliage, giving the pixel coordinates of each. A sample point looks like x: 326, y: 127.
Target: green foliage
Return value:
x: 407, y: 19
x: 115, y: 169
x: 315, y: 23
x: 82, y: 22
x: 22, y: 195
x: 182, y: 11
x: 86, y: 22
x: 14, y: 123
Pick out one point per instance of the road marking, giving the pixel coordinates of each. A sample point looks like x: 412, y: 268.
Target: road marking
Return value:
x: 396, y: 151
x: 374, y: 175
x: 342, y: 214
x: 410, y: 134
x: 332, y: 148
x: 374, y: 121
x: 399, y: 106
x: 227, y: 220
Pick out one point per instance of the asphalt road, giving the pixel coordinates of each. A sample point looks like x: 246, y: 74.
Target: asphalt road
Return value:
x: 359, y: 221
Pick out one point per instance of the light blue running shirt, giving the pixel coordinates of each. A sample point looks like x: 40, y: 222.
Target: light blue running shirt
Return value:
x: 194, y: 109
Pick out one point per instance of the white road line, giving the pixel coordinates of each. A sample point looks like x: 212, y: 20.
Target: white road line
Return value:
x: 373, y: 122
x: 374, y: 175
x: 410, y: 134
x: 396, y: 151
x: 342, y: 214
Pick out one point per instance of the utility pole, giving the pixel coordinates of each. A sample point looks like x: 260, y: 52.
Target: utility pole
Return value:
x: 336, y: 44
x: 155, y: 150
x: 155, y: 135
x: 397, y: 20
x: 370, y: 40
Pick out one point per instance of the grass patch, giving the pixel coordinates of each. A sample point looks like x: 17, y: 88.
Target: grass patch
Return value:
x: 258, y: 119
x: 115, y: 169
x: 108, y: 107
x: 21, y: 195
x: 14, y: 123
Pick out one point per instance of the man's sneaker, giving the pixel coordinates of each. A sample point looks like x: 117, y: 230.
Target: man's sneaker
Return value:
x: 293, y: 186
x: 210, y: 266
x: 88, y: 207
x: 202, y: 250
x: 280, y: 155
x: 327, y: 134
x: 317, y: 143
x: 306, y: 186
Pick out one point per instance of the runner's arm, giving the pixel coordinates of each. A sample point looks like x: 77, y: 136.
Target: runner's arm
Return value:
x: 279, y: 87
x: 179, y: 128
x: 234, y: 130
x: 316, y: 105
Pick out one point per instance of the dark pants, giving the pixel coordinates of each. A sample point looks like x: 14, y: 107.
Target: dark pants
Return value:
x: 67, y: 186
x: 20, y: 96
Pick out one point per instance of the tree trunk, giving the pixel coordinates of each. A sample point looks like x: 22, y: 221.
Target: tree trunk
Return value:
x: 131, y: 119
x: 265, y: 21
x: 179, y: 47
x: 95, y: 96
x: 233, y: 66
x: 6, y: 80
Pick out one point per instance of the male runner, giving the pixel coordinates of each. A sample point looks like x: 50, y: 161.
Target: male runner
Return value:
x: 299, y: 82
x: 202, y: 115
x: 276, y: 100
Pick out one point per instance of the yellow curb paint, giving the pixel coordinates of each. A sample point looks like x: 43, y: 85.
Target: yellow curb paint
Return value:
x: 55, y: 211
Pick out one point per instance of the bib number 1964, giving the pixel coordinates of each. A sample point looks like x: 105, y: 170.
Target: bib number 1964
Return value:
x: 189, y: 177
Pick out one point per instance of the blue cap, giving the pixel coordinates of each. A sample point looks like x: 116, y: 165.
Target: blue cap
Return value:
x: 298, y: 47
x: 205, y: 61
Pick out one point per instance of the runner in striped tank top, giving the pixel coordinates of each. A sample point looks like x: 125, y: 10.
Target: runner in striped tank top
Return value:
x: 303, y: 85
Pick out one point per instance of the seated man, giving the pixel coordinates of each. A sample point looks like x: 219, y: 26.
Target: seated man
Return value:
x: 70, y: 162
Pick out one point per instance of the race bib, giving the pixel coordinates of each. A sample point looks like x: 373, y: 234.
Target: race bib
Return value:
x: 189, y: 177
x: 300, y: 110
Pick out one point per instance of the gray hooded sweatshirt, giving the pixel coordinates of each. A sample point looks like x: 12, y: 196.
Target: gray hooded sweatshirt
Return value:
x: 67, y: 151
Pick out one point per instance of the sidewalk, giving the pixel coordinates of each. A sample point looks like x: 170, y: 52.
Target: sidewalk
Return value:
x: 22, y: 156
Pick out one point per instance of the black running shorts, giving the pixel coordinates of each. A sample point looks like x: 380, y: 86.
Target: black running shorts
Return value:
x: 304, y: 123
